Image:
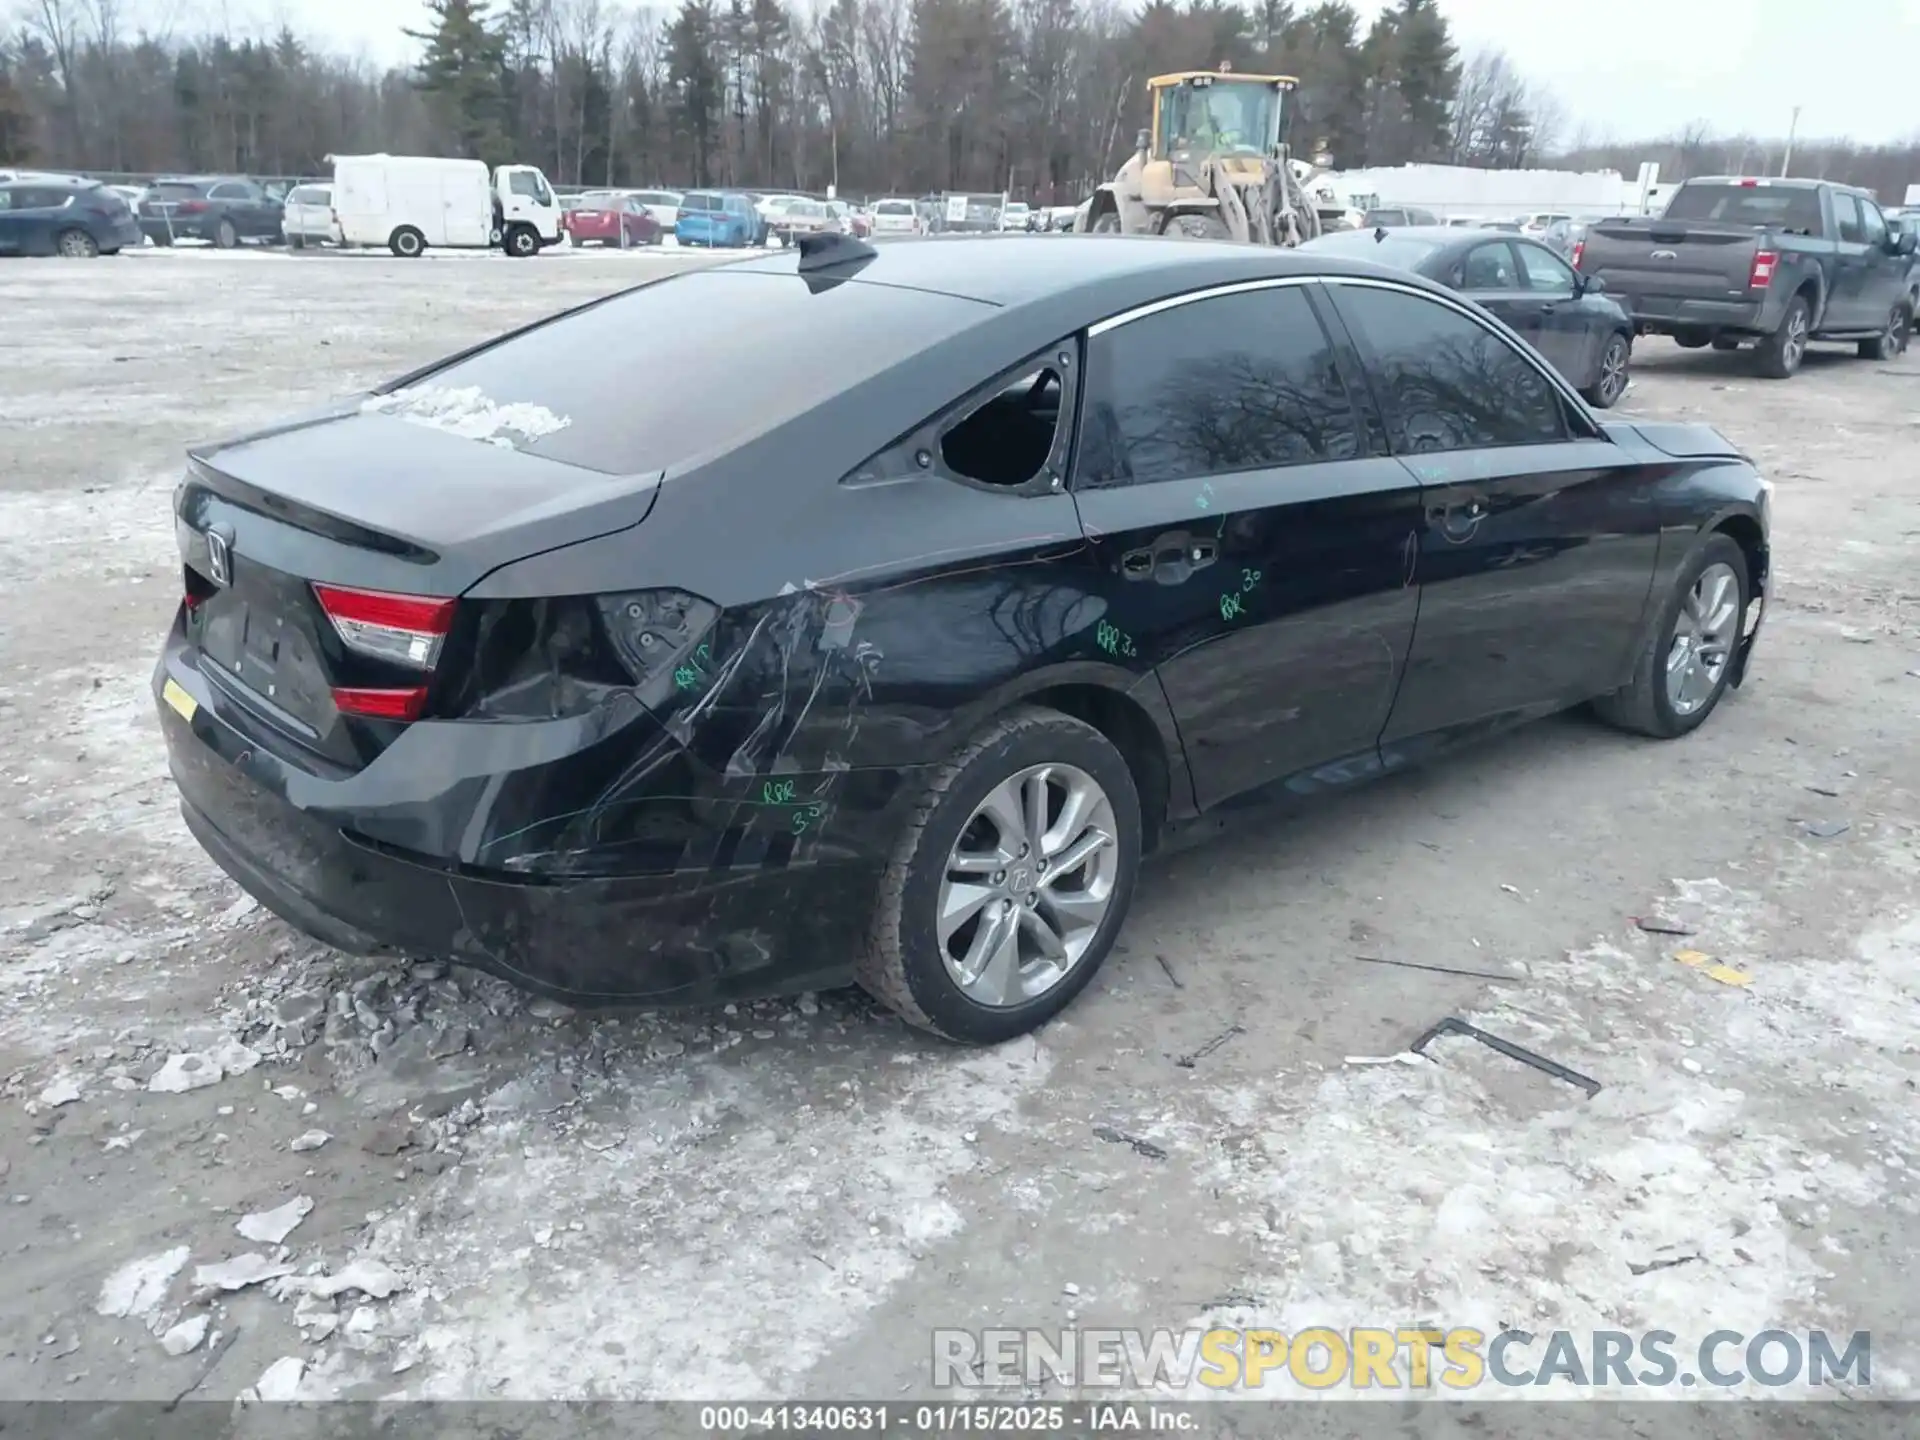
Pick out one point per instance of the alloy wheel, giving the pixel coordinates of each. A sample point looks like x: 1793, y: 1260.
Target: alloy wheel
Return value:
x: 1796, y: 347
x: 1613, y: 370
x: 1027, y: 885
x: 1703, y: 637
x: 75, y: 245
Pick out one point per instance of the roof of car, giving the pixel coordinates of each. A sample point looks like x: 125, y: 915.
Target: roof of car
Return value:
x: 1011, y: 269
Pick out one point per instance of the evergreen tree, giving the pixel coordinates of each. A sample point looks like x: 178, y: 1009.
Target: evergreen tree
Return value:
x: 460, y: 73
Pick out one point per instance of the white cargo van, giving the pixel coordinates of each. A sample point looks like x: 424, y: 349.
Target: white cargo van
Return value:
x: 410, y: 202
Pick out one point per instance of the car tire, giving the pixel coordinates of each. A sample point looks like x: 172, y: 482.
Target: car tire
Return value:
x: 909, y: 966
x: 1891, y: 343
x: 521, y: 242
x: 1778, y: 356
x: 296, y: 242
x: 407, y: 242
x: 1611, y: 382
x: 1197, y: 227
x: 1647, y: 704
x: 225, y: 236
x: 76, y: 245
x: 1692, y: 340
x: 163, y: 241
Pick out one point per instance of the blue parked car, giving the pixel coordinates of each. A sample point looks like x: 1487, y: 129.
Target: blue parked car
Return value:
x: 78, y: 219
x: 716, y: 218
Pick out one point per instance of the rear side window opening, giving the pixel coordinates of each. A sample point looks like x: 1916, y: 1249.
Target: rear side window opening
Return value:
x: 1007, y: 439
x: 615, y: 410
x: 1792, y: 208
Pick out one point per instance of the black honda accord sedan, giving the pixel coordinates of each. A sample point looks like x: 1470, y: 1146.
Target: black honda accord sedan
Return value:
x: 729, y: 676
x: 1583, y: 333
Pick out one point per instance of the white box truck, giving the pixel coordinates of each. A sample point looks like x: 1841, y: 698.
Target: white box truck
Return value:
x: 411, y: 202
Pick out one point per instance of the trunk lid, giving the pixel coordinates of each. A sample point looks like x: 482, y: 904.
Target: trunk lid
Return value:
x: 1663, y: 260
x: 369, y: 502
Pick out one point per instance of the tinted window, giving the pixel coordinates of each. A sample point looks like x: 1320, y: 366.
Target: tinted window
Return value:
x: 1846, y: 213
x: 893, y: 207
x: 1239, y: 382
x: 310, y: 195
x: 1873, y: 225
x: 1545, y: 271
x: 1489, y: 267
x: 174, y: 190
x: 1787, y: 207
x: 39, y: 197
x: 525, y: 182
x: 698, y: 200
x: 1448, y: 382
x: 711, y: 388
x: 1402, y: 252
x: 229, y: 191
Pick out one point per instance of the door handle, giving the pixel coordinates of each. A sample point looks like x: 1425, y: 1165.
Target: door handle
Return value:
x: 1170, y: 559
x: 1458, y: 522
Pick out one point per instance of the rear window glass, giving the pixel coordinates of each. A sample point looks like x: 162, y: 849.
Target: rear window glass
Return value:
x: 1402, y: 252
x: 699, y: 200
x: 309, y: 195
x: 893, y: 207
x: 174, y: 190
x: 1776, y: 207
x: 605, y: 405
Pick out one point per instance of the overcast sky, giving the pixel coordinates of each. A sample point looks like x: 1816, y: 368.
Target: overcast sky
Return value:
x: 1625, y: 68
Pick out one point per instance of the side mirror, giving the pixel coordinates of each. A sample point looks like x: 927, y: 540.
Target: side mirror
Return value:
x: 1903, y: 241
x: 1142, y: 141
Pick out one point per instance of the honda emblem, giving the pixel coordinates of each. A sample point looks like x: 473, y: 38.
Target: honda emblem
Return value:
x: 219, y: 558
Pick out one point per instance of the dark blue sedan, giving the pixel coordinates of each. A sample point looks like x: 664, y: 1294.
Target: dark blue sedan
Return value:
x: 1582, y: 333
x: 78, y: 220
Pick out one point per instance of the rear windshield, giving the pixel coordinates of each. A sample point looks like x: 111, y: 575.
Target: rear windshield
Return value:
x: 1786, y: 207
x: 893, y: 207
x: 1402, y: 252
x: 608, y: 406
x: 658, y: 197
x: 175, y: 190
x: 309, y: 195
x: 698, y: 200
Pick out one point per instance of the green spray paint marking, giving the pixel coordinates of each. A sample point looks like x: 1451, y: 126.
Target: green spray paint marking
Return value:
x: 1248, y: 579
x: 805, y: 816
x: 1230, y: 607
x: 1113, y: 640
x: 693, y: 674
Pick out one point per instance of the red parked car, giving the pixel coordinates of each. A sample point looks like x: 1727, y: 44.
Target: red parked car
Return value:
x: 601, y: 216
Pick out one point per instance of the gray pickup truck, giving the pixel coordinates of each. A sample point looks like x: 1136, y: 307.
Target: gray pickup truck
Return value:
x: 1778, y: 263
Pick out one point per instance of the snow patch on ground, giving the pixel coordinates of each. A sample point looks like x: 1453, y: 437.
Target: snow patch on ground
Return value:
x: 728, y: 1200
x: 1686, y: 1195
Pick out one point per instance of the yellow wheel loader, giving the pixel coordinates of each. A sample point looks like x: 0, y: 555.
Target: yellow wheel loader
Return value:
x: 1213, y: 166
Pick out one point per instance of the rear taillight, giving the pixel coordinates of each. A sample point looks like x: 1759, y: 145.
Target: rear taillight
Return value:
x: 381, y: 704
x: 1579, y: 249
x: 189, y: 207
x: 1761, y: 275
x: 406, y: 629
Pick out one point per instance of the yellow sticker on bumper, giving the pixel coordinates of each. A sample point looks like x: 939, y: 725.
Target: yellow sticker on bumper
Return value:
x: 179, y: 699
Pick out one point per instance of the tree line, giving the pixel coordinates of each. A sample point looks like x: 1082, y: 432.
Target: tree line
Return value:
x: 1040, y: 97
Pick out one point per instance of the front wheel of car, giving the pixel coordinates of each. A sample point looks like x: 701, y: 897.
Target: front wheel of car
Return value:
x: 1891, y: 343
x: 225, y: 236
x: 1611, y: 381
x: 1010, y: 881
x: 1688, y: 660
x: 77, y: 245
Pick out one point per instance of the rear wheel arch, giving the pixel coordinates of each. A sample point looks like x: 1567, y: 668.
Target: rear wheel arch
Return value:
x: 1130, y: 730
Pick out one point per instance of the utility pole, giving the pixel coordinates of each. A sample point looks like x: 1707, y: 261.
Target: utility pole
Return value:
x: 1793, y: 128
